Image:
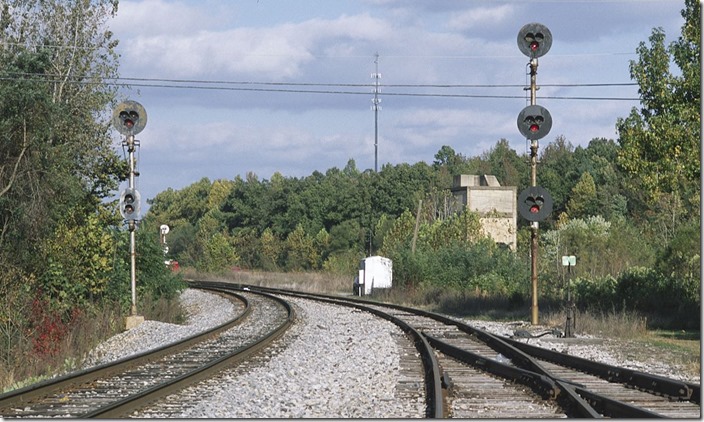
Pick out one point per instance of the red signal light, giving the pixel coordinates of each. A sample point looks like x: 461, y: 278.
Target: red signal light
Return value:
x: 534, y: 209
x: 128, y: 119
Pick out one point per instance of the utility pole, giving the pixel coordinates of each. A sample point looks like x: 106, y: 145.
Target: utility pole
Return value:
x: 376, y: 107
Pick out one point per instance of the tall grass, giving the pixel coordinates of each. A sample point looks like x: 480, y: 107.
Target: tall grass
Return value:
x: 618, y: 324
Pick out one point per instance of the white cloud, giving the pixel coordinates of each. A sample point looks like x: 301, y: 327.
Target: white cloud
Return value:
x: 481, y: 17
x: 158, y: 17
x: 263, y: 53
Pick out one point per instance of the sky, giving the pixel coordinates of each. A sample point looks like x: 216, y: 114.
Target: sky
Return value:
x: 265, y: 86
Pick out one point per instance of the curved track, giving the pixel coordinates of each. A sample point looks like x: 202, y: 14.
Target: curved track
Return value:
x: 117, y: 389
x: 486, y: 375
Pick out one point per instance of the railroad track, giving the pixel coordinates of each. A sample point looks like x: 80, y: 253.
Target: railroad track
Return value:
x: 485, y: 375
x: 117, y: 389
x: 462, y: 372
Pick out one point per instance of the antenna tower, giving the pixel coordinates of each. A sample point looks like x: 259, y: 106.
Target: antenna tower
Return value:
x: 376, y: 107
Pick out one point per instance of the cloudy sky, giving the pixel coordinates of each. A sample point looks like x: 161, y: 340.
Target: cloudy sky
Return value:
x: 239, y: 86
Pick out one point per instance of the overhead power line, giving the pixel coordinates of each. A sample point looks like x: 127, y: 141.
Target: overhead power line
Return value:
x: 258, y: 86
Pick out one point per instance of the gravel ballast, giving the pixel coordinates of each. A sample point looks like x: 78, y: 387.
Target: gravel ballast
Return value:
x: 336, y: 363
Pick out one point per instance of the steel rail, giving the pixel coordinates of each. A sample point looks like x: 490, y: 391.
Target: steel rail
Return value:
x: 573, y: 396
x: 567, y: 397
x: 544, y: 386
x: 433, y: 374
x: 47, y: 387
x: 614, y: 408
x: 124, y: 407
x: 651, y: 383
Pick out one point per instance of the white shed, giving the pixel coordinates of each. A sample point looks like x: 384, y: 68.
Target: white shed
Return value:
x: 375, y: 272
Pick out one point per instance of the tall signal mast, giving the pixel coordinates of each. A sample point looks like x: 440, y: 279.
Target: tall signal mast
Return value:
x: 376, y: 107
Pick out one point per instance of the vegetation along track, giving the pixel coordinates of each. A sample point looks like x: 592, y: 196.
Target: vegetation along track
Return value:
x: 117, y: 389
x: 486, y: 375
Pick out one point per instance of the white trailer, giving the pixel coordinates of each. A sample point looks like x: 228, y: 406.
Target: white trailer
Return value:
x: 375, y: 272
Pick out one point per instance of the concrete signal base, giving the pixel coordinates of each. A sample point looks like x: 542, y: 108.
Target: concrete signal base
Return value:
x: 133, y: 321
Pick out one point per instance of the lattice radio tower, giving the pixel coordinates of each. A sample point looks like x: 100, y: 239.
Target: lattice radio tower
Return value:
x: 376, y: 107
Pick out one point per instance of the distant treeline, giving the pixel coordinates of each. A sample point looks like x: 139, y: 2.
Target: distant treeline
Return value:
x: 629, y: 252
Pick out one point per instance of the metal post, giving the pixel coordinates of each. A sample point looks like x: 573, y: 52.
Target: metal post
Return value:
x: 534, y: 182
x: 132, y: 225
x: 570, y: 323
x: 133, y: 268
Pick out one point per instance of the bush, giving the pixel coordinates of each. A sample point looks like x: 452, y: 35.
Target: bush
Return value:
x: 481, y: 267
x: 153, y: 276
x: 598, y: 293
x: 668, y: 300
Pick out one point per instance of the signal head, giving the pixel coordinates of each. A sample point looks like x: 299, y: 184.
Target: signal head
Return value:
x: 534, y: 122
x: 129, y: 204
x: 535, y: 203
x: 534, y: 40
x: 129, y: 118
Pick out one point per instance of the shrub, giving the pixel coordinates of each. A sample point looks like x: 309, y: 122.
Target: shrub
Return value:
x: 598, y: 293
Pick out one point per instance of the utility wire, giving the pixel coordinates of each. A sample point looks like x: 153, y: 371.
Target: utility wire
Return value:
x: 253, y: 86
x: 367, y: 85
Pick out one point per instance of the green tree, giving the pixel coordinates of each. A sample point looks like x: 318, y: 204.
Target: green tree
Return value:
x: 400, y: 235
x: 599, y: 160
x: 556, y: 172
x: 603, y: 248
x: 270, y: 251
x: 215, y: 252
x: 243, y: 207
x: 218, y: 254
x: 300, y: 251
x: 448, y: 164
x: 57, y: 163
x: 219, y: 191
x: 582, y: 202
x: 462, y: 228
x: 508, y: 167
x: 347, y: 235
x: 321, y: 243
x: 660, y: 143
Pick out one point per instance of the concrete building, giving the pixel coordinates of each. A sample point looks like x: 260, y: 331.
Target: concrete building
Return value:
x: 495, y: 204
